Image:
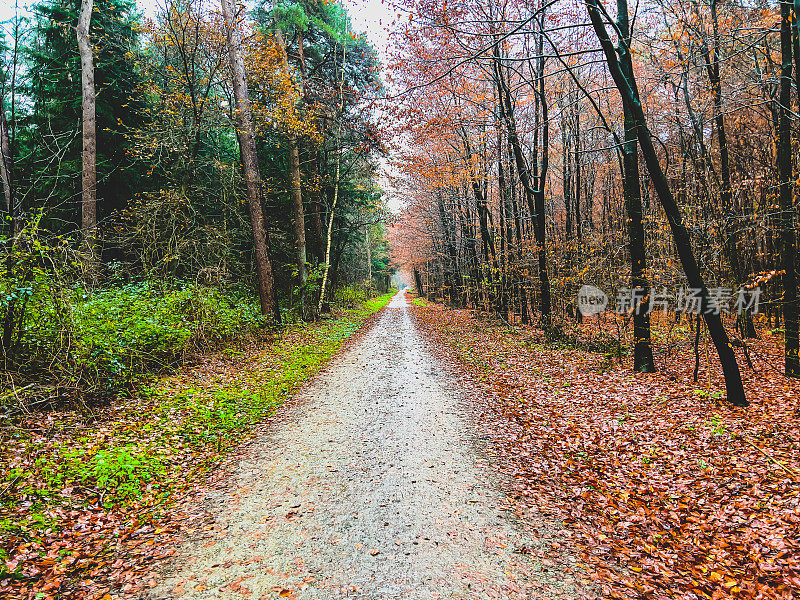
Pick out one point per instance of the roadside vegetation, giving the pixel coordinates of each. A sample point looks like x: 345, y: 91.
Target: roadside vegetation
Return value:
x: 77, y: 482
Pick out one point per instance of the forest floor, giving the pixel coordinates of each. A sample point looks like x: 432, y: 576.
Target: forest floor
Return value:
x: 440, y: 454
x: 662, y: 489
x: 91, y: 495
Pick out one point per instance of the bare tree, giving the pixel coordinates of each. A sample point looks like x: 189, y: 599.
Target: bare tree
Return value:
x: 784, y: 159
x: 619, y: 64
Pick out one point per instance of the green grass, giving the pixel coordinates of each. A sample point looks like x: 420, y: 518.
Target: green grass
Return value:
x: 419, y: 302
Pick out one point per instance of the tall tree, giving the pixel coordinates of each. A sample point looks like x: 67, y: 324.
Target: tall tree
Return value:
x: 8, y: 88
x: 785, y: 179
x: 247, y: 147
x: 337, y: 178
x: 631, y: 189
x: 89, y: 152
x: 626, y: 84
x: 49, y: 125
x: 297, y: 194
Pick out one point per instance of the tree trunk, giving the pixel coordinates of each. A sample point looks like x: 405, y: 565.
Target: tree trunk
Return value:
x: 418, y: 284
x: 368, y: 244
x: 452, y: 275
x: 317, y: 228
x: 539, y: 207
x: 89, y: 152
x: 247, y: 147
x: 298, y: 213
x: 577, y: 191
x: 642, y: 348
x: 630, y: 96
x: 326, y: 266
x: 535, y: 197
x: 7, y: 170
x: 784, y: 159
x: 726, y: 190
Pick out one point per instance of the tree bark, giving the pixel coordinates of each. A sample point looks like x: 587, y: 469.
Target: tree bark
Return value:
x: 368, y: 244
x: 89, y: 152
x: 247, y: 147
x: 535, y: 197
x: 630, y: 96
x: 7, y: 170
x: 326, y: 266
x: 642, y: 347
x: 541, y: 181
x: 317, y: 246
x: 298, y: 212
x: 418, y: 284
x: 784, y: 160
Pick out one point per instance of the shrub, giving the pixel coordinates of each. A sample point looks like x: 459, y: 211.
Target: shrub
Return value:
x: 122, y: 473
x: 98, y: 343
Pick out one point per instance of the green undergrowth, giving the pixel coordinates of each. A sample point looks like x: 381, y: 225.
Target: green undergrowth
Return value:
x: 135, y: 456
x: 99, y: 344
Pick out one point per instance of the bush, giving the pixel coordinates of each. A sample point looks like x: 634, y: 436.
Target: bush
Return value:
x: 352, y: 295
x: 98, y: 343
x: 123, y: 473
x: 133, y: 329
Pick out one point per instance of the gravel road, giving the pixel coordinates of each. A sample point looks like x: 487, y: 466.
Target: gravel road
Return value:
x: 372, y: 485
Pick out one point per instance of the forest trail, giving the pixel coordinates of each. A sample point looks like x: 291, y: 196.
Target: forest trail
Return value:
x: 370, y: 486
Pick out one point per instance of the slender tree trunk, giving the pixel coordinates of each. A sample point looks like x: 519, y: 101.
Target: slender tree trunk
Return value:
x: 452, y: 275
x: 788, y: 234
x: 796, y: 47
x: 566, y: 175
x: 630, y: 96
x: 368, y: 244
x: 89, y: 153
x: 326, y: 267
x: 487, y: 240
x: 729, y: 227
x: 298, y: 213
x: 577, y: 191
x: 535, y: 197
x: 642, y: 349
x: 247, y: 148
x: 518, y: 232
x: 317, y: 228
x: 7, y: 169
x: 16, y: 207
x: 539, y: 204
x: 506, y: 219
x: 418, y: 284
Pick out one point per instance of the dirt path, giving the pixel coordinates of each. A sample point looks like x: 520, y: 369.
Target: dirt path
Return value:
x: 371, y: 487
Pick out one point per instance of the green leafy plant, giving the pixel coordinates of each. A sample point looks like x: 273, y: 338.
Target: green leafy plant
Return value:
x: 717, y: 426
x: 122, y: 473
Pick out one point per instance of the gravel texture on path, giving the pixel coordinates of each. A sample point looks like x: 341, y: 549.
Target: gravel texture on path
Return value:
x: 371, y: 485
